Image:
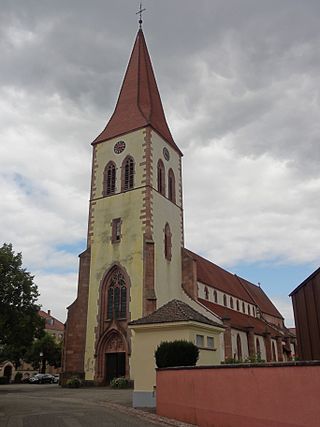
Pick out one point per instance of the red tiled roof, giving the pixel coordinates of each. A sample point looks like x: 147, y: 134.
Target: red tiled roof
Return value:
x: 174, y: 311
x: 139, y: 103
x: 260, y: 298
x: 56, y: 326
x: 239, y: 320
x: 212, y: 275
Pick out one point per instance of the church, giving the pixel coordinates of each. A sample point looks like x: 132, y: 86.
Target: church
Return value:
x: 138, y: 285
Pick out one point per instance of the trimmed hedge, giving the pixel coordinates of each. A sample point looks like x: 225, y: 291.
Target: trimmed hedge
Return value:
x: 176, y: 353
x: 120, y: 382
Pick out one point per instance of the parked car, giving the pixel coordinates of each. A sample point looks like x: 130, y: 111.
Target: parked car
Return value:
x: 56, y: 378
x: 42, y: 379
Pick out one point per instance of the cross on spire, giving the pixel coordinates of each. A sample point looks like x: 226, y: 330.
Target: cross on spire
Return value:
x: 140, y: 11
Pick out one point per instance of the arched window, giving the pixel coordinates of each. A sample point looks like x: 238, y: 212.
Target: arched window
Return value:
x: 109, y: 179
x: 274, y: 355
x: 215, y: 296
x: 127, y: 174
x: 171, y: 186
x: 243, y: 308
x: 167, y: 242
x: 249, y: 310
x: 206, y: 292
x: 231, y: 302
x: 117, y: 296
x: 258, y: 348
x: 161, y: 178
x: 239, y: 348
x: 238, y: 305
x: 225, y: 300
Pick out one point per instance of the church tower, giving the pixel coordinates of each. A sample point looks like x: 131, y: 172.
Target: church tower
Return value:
x: 132, y: 264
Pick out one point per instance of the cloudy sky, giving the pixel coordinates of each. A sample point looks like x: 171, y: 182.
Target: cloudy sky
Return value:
x: 239, y: 81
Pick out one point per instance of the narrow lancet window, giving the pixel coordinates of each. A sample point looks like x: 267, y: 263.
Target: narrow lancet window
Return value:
x: 161, y: 178
x: 171, y: 186
x: 167, y: 242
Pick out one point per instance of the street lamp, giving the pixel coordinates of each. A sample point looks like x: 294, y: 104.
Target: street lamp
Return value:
x: 41, y: 362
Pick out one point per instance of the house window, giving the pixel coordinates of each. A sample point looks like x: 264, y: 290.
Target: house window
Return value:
x: 206, y: 292
x: 109, y: 179
x: 215, y: 296
x: 117, y: 297
x: 127, y: 174
x: 171, y: 186
x: 243, y: 308
x: 161, y: 178
x: 200, y: 341
x: 225, y: 300
x: 210, y: 342
x: 231, y: 302
x: 167, y: 242
x: 238, y: 305
x: 116, y: 230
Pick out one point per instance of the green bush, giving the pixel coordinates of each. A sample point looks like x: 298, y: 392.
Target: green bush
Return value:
x: 74, y: 382
x: 176, y: 353
x: 4, y: 380
x: 18, y: 377
x: 120, y: 383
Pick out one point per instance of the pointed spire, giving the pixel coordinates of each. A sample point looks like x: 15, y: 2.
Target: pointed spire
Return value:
x: 139, y: 103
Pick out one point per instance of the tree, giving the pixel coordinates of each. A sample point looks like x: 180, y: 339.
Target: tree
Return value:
x: 20, y: 323
x: 44, y: 351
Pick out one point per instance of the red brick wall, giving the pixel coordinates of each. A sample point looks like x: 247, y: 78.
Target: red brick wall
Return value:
x: 75, y: 329
x: 264, y: 396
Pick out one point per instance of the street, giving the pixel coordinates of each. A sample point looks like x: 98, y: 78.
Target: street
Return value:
x: 48, y: 405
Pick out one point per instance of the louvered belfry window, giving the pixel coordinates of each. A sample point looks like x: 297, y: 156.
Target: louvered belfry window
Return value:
x: 117, y: 296
x: 127, y: 174
x: 109, y: 179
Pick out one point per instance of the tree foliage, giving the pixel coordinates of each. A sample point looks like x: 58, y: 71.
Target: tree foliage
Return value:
x: 19, y: 319
x: 44, y: 351
x: 176, y: 353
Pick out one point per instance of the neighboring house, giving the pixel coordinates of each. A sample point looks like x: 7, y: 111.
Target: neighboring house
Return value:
x: 306, y: 308
x: 52, y: 325
x: 136, y: 272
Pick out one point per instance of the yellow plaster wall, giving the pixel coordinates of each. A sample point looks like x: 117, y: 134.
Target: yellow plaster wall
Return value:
x: 128, y: 252
x: 145, y: 341
x: 167, y: 273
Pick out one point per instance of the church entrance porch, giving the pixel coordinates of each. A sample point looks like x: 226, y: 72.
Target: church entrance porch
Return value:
x: 115, y: 365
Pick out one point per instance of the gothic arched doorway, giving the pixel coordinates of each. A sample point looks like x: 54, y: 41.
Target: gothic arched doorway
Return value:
x: 8, y: 372
x: 115, y: 357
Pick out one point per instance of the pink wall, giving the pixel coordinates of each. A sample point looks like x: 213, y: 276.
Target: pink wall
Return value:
x: 241, y: 396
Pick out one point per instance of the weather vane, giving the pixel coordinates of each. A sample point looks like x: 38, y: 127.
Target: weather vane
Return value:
x: 140, y: 13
